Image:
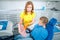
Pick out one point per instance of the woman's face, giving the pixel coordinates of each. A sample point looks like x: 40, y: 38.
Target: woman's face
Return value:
x: 29, y: 8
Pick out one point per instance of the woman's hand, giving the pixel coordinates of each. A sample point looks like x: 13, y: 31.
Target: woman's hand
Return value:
x: 21, y: 30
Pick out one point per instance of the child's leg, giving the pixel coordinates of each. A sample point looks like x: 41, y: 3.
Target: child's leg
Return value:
x: 32, y: 37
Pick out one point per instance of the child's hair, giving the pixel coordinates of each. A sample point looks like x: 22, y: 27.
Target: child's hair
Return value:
x: 44, y: 19
x: 29, y: 3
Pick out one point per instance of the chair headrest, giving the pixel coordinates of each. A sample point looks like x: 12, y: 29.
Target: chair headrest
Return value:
x: 53, y: 21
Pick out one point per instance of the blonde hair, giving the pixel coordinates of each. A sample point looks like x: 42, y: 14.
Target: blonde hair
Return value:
x: 44, y: 19
x: 29, y: 3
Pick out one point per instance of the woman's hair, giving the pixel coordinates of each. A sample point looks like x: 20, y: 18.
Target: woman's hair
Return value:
x: 44, y: 19
x: 29, y: 3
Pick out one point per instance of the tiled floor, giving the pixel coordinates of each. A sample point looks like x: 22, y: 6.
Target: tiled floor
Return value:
x: 56, y: 36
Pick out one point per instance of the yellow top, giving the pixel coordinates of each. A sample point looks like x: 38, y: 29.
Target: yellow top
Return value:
x: 27, y: 18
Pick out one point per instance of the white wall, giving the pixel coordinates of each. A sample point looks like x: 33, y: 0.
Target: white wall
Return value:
x: 10, y: 10
x: 10, y: 5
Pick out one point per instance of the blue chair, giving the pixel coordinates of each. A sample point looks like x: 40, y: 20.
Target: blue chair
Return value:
x: 50, y: 28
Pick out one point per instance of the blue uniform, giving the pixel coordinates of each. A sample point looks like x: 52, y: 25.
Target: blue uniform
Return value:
x: 39, y: 33
x: 50, y: 27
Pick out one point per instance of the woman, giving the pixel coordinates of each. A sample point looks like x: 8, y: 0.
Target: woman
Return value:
x: 27, y: 16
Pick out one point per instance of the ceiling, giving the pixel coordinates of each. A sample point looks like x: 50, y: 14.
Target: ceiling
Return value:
x: 29, y: 0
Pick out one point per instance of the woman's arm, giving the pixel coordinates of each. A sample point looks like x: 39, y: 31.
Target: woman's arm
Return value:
x: 32, y: 22
x: 21, y: 21
x: 21, y: 28
x: 20, y: 25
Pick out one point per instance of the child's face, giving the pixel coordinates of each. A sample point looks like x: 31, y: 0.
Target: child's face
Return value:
x: 41, y: 22
x: 29, y: 8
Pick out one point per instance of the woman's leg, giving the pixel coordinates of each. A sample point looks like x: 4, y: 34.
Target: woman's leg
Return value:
x: 30, y: 28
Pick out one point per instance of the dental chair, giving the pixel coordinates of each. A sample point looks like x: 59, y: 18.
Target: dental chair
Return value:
x: 50, y: 28
x: 57, y: 31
